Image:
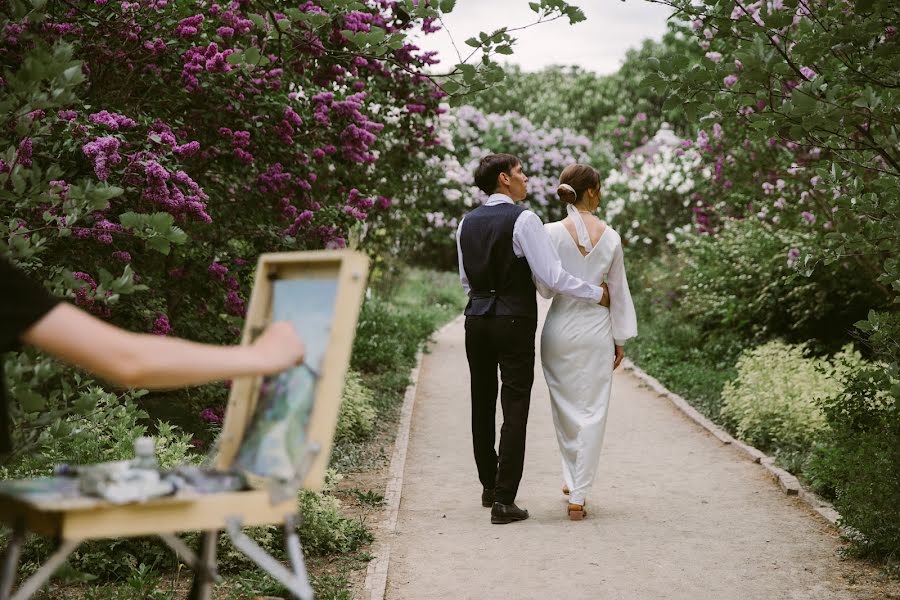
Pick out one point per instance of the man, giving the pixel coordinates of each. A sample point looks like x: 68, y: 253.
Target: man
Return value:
x: 500, y: 246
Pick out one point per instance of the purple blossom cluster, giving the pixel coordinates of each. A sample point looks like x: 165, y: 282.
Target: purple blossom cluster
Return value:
x: 85, y: 295
x: 218, y: 270
x: 161, y: 325
x: 215, y: 416
x: 24, y: 153
x: 103, y: 152
x: 176, y: 192
x: 189, y: 27
x: 111, y: 120
x: 199, y: 59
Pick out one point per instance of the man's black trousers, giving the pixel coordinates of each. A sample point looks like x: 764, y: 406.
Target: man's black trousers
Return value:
x: 507, y: 342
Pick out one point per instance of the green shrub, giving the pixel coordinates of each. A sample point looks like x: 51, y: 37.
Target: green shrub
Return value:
x: 675, y: 349
x: 105, y: 434
x: 856, y: 465
x: 387, y: 339
x: 741, y: 279
x: 773, y: 402
x: 357, y: 417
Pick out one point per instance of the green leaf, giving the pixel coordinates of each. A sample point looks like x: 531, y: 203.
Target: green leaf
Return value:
x: 85, y: 404
x: 258, y: 20
x: 30, y: 401
x: 535, y: 7
x: 251, y: 55
x: 159, y: 244
x: 131, y: 220
x: 449, y: 86
x: 473, y: 42
x: 575, y: 14
x: 235, y: 58
x: 507, y: 50
x: 468, y: 72
x: 376, y: 36
x: 447, y: 6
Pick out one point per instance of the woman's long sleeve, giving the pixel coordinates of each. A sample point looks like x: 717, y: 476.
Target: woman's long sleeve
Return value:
x: 621, y: 306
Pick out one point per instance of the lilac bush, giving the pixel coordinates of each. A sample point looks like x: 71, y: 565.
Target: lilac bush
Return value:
x: 466, y: 135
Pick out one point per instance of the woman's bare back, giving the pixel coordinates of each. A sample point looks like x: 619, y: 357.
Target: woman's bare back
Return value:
x: 595, y: 228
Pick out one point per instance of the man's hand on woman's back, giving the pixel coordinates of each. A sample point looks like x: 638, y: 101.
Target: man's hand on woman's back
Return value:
x: 604, y: 301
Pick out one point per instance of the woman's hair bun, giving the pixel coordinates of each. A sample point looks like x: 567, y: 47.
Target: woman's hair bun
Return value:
x: 566, y: 193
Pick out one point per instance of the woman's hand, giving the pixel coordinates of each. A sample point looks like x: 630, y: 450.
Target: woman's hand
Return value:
x: 620, y: 354
x: 279, y: 347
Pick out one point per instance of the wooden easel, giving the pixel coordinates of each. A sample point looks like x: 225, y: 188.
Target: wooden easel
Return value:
x: 76, y: 520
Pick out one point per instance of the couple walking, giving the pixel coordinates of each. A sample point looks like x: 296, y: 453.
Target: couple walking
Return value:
x: 506, y: 254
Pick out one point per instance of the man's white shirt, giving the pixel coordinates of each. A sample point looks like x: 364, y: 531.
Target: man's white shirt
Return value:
x: 532, y: 242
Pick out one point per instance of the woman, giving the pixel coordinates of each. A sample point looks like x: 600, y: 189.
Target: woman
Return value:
x: 582, y: 343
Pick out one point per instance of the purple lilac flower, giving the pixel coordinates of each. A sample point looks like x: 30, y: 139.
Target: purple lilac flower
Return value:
x: 792, y: 256
x: 161, y: 325
x: 714, y: 56
x: 234, y: 303
x: 808, y: 73
x: 730, y: 80
x: 808, y: 217
x: 112, y: 120
x: 212, y: 415
x: 23, y: 157
x: 218, y: 270
x: 188, y: 27
x: 103, y: 151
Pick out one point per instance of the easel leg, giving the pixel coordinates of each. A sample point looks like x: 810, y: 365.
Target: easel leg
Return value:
x: 296, y: 582
x: 40, y: 577
x: 292, y: 545
x: 11, y: 561
x: 201, y: 589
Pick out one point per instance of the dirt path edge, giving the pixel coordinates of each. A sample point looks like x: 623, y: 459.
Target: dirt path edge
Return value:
x: 789, y: 484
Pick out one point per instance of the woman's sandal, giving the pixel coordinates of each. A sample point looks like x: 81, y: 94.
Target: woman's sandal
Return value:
x: 576, y: 512
x: 565, y: 489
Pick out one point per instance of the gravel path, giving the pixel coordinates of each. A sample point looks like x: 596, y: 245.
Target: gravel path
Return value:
x: 674, y: 514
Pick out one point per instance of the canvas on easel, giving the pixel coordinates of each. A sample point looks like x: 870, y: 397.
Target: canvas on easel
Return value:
x: 277, y: 438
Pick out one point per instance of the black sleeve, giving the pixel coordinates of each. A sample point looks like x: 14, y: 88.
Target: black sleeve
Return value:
x: 23, y: 303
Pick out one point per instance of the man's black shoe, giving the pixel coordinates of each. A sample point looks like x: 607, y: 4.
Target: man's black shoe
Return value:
x: 487, y: 498
x: 507, y: 513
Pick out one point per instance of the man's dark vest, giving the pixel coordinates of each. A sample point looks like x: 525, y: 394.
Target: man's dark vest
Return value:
x: 500, y: 282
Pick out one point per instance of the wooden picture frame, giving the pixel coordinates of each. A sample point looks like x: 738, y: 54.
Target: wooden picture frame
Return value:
x: 349, y: 269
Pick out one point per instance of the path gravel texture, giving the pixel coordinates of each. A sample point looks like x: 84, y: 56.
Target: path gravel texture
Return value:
x: 674, y: 513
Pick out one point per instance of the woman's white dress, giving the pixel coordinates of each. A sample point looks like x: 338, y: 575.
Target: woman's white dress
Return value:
x: 577, y: 352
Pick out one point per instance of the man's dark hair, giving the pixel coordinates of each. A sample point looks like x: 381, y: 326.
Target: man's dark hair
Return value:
x: 488, y: 170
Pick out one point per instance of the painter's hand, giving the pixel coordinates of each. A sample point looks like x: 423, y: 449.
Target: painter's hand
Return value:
x: 279, y: 348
